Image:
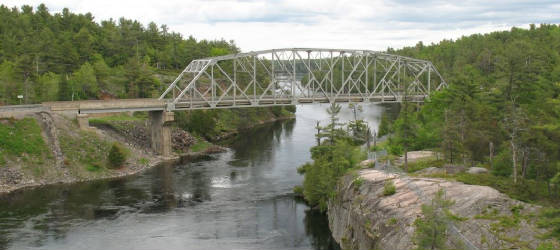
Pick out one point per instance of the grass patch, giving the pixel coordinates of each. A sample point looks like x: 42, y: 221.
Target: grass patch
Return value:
x: 530, y: 191
x: 143, y: 161
x: 86, y: 150
x: 95, y: 167
x: 21, y: 140
x: 424, y: 163
x: 20, y: 137
x: 550, y: 219
x: 389, y: 188
x: 525, y: 190
x: 200, y: 146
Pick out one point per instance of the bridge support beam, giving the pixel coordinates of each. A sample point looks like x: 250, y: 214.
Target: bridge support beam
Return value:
x: 161, y: 131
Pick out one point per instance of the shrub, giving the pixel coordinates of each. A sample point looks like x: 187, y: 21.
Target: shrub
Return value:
x: 117, y: 156
x: 431, y: 228
x: 358, y: 182
x: 291, y: 108
x: 276, y: 111
x: 389, y: 188
x: 502, y: 164
x: 298, y: 190
x: 393, y: 147
x: 330, y: 162
x: 143, y: 161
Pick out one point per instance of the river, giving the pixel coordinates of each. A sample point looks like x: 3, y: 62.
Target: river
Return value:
x: 240, y: 199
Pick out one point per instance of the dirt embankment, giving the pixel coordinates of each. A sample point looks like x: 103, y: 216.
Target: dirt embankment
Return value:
x: 71, y: 154
x: 362, y: 217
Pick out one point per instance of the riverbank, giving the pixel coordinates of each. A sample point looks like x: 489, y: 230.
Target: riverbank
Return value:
x: 51, y: 148
x: 246, y: 189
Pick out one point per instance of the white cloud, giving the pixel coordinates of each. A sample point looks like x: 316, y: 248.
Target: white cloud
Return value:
x: 360, y: 24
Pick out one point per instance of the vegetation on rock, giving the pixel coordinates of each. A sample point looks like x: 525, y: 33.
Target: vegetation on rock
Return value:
x: 432, y: 228
x: 389, y: 188
x: 337, y: 153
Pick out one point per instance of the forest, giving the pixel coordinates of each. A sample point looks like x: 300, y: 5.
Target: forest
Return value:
x: 501, y: 110
x: 68, y: 56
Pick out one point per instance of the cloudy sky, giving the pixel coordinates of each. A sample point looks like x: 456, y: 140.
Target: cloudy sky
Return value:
x: 360, y: 24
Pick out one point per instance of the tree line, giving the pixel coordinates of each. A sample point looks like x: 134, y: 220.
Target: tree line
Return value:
x: 68, y: 56
x: 502, y: 107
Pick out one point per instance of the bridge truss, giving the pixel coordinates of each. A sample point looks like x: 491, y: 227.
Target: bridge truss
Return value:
x: 301, y: 75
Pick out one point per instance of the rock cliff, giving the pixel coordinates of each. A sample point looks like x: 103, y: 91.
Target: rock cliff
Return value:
x: 361, y: 217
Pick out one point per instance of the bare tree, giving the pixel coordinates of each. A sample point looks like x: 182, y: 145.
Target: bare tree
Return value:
x: 515, y: 122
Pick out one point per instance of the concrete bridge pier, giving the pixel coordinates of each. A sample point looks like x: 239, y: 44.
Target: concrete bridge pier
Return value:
x: 161, y: 131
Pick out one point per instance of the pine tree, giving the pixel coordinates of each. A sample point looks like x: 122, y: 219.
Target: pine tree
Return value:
x: 431, y: 228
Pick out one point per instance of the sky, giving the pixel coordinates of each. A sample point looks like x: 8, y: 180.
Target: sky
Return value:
x: 359, y: 24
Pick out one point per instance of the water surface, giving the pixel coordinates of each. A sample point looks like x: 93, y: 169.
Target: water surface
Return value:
x: 240, y: 199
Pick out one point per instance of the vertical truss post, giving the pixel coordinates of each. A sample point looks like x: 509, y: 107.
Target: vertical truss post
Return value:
x: 309, y: 80
x: 429, y: 80
x: 273, y: 79
x: 234, y: 80
x: 399, y: 75
x: 375, y: 73
x: 331, y: 78
x: 294, y: 77
x: 366, y: 68
x: 383, y: 84
x: 255, y: 80
x: 213, y: 86
x: 341, y: 75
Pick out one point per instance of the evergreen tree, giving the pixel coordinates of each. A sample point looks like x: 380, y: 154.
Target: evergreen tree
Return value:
x: 431, y: 229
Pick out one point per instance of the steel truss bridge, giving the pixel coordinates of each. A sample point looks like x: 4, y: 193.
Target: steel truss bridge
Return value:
x: 299, y: 76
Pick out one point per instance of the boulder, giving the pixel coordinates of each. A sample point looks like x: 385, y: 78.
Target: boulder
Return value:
x: 430, y: 171
x: 454, y: 169
x: 477, y: 170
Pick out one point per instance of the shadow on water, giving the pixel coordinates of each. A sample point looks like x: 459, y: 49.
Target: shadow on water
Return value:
x: 257, y: 145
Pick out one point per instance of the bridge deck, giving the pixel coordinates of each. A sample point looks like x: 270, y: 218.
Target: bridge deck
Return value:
x: 148, y: 104
x: 264, y: 101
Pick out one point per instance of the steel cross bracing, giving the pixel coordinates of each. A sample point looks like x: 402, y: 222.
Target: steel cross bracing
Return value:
x: 301, y: 75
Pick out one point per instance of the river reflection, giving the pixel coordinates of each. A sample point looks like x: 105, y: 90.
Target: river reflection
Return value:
x: 240, y: 199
